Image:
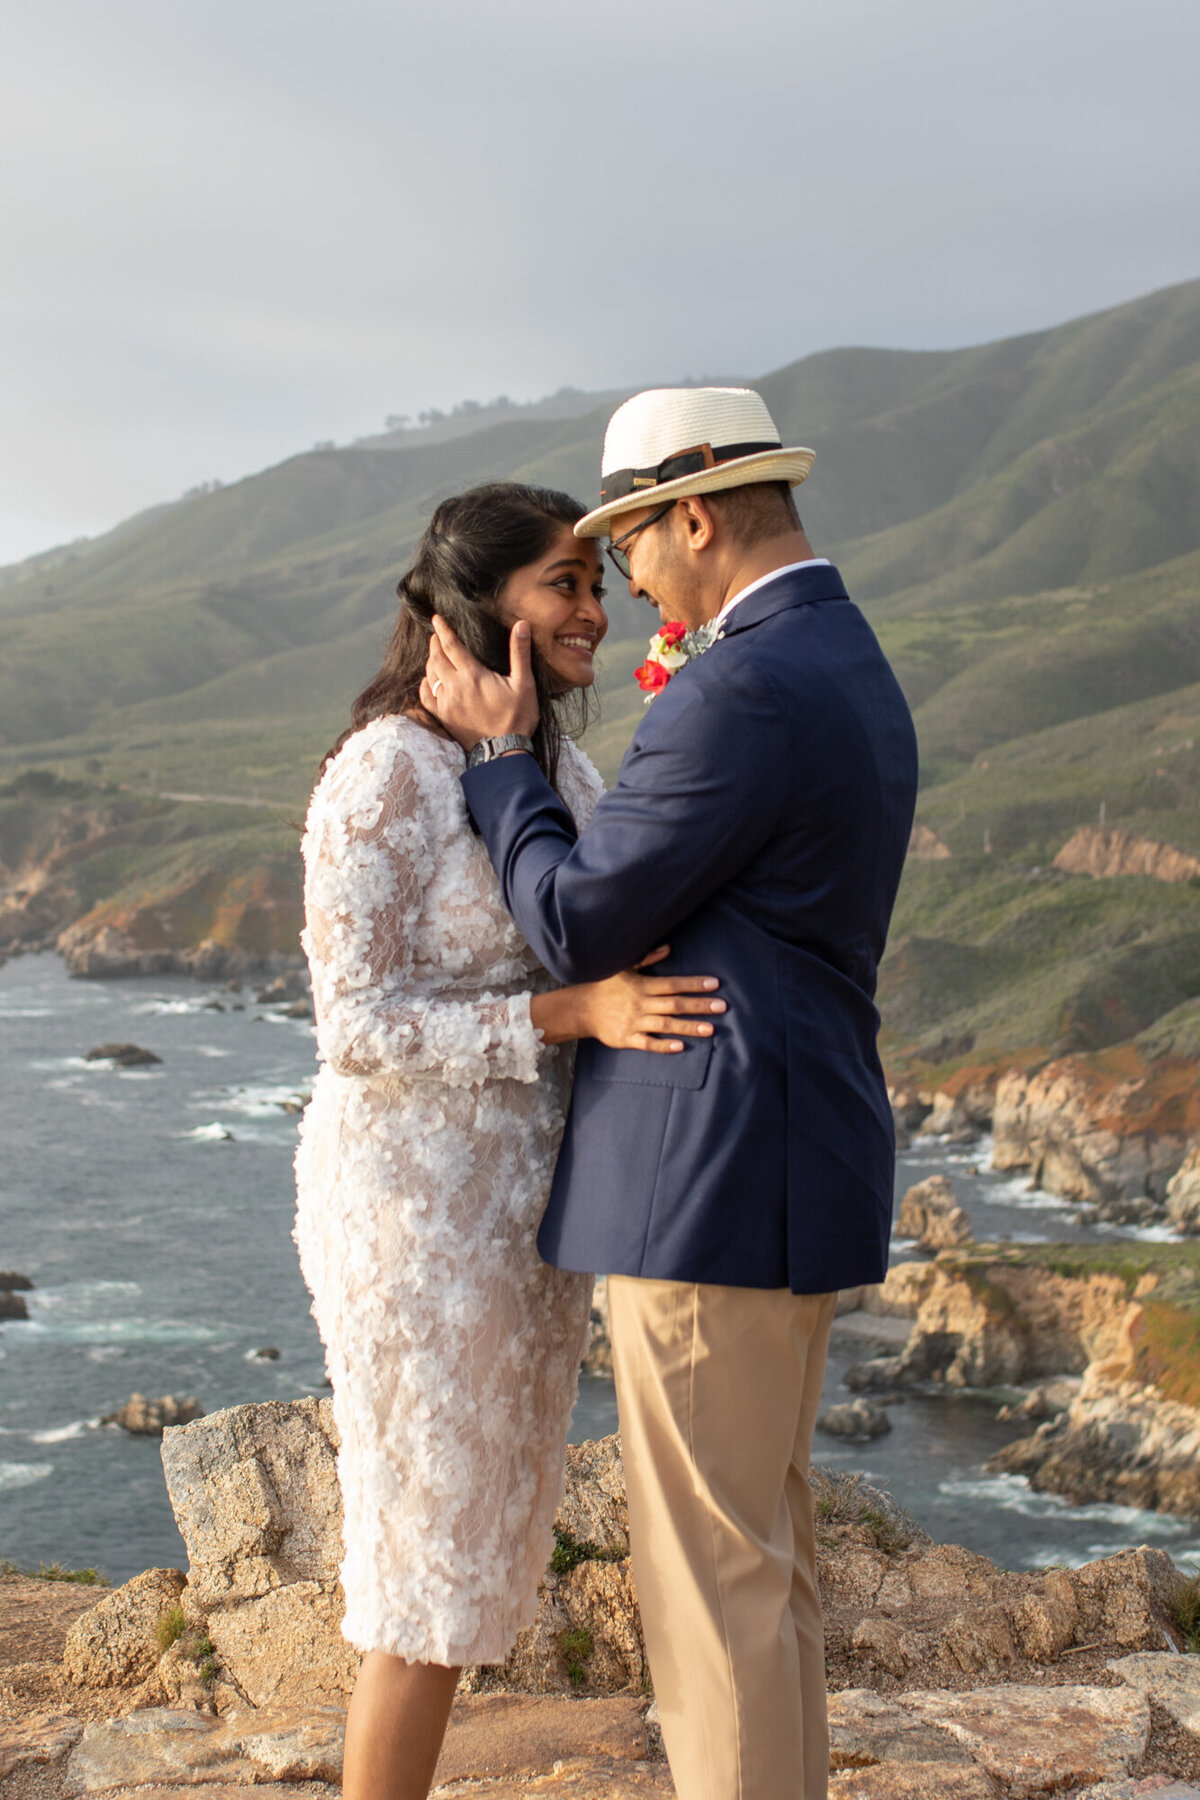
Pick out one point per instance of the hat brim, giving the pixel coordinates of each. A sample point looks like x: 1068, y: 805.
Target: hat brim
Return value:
x: 792, y: 466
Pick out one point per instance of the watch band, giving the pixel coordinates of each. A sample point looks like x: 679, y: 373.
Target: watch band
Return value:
x: 488, y: 749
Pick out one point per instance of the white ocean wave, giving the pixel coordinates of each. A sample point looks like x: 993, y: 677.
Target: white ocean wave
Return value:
x: 257, y: 1100
x: 19, y: 1475
x: 1019, y: 1191
x: 216, y: 1133
x: 62, y: 1434
x: 1012, y: 1493
x: 210, y: 1050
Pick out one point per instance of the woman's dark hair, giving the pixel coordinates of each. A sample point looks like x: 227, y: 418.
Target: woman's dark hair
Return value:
x: 470, y: 547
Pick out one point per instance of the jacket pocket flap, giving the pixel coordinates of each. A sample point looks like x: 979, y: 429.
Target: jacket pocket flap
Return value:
x: 686, y: 1068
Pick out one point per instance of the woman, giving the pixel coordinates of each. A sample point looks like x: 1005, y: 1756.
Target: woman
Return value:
x: 427, y: 1151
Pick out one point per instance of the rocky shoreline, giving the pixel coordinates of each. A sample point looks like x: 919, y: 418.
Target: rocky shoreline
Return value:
x: 949, y: 1677
x: 1106, y: 1340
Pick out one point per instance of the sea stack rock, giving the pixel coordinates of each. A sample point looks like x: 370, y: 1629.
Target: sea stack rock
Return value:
x: 123, y: 1056
x: 150, y: 1418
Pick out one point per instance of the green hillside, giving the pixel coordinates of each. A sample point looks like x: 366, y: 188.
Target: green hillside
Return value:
x: 1019, y: 520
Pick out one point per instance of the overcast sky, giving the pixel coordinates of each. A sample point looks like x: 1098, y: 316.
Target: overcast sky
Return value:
x: 235, y: 227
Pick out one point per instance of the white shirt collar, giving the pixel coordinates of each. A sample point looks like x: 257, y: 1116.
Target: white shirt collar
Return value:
x: 810, y: 562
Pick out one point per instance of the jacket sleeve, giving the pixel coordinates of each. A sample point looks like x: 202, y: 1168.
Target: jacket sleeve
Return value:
x: 699, y: 795
x: 365, y: 860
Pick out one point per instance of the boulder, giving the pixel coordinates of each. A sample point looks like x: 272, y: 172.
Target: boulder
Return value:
x: 12, y: 1306
x: 857, y: 1420
x: 12, y: 1283
x: 1126, y: 1599
x: 255, y: 1495
x: 116, y: 1643
x: 1172, y: 1681
x: 1045, y: 1624
x: 150, y: 1418
x: 1040, y: 1740
x: 930, y: 1213
x: 285, y: 1648
x: 1183, y: 1196
x: 123, y: 1056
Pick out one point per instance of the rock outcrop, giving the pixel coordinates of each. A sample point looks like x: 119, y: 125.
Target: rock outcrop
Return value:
x: 992, y: 1316
x: 123, y: 1056
x: 1183, y: 1194
x: 1105, y: 854
x: 857, y: 1420
x: 931, y: 1216
x: 951, y: 1677
x: 926, y: 846
x: 1108, y: 1129
x: 150, y: 1418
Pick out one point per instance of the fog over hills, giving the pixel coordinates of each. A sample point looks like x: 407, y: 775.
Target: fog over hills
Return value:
x: 1019, y: 520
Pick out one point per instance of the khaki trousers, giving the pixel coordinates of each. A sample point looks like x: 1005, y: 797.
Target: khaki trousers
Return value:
x: 718, y: 1390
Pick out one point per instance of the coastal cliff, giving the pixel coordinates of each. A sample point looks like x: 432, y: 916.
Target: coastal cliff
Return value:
x: 122, y: 883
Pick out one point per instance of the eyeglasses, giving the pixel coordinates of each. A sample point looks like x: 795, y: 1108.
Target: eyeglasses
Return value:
x: 616, y: 549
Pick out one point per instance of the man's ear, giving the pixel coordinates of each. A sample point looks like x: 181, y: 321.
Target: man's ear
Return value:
x: 699, y: 521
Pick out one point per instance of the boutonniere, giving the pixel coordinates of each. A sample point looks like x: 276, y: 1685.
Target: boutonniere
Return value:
x: 672, y: 647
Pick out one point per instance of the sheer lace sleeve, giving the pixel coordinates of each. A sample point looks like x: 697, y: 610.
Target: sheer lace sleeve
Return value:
x: 368, y: 862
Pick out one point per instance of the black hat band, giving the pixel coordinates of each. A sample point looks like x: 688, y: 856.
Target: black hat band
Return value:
x: 686, y: 462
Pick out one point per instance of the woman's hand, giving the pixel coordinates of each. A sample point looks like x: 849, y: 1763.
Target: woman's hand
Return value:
x: 631, y: 1011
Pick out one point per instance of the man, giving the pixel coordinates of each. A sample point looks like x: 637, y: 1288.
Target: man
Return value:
x: 759, y: 825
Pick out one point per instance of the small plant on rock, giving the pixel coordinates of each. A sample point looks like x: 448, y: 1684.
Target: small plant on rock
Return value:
x: 576, y: 1648
x: 172, y: 1623
x: 1185, y: 1614
x: 569, y: 1553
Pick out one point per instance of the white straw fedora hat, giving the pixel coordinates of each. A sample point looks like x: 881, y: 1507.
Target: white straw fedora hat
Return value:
x: 673, y: 441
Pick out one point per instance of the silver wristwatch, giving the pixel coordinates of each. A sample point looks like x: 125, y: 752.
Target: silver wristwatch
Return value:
x: 488, y: 749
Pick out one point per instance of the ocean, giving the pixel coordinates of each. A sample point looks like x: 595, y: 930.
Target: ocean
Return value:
x: 152, y: 1208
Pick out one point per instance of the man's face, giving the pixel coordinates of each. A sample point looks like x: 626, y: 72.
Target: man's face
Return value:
x: 660, y: 570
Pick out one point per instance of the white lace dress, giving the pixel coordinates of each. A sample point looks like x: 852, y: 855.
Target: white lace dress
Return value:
x: 423, y: 1169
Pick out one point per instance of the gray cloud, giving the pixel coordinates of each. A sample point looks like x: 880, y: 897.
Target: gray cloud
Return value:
x: 231, y: 230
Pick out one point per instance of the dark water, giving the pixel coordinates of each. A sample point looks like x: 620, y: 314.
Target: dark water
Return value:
x: 153, y: 1207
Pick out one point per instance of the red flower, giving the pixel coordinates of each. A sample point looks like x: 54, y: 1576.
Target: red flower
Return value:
x: 672, y: 633
x: 652, y: 677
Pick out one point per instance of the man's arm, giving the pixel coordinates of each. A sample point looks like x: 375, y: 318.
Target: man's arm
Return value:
x: 698, y: 796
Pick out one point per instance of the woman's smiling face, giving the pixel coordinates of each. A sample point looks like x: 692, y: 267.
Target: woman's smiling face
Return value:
x: 560, y: 596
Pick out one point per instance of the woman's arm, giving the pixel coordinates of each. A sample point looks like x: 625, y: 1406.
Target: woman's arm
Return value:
x: 367, y: 865
x: 630, y: 1011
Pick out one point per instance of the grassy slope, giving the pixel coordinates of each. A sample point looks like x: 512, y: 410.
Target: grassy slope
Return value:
x: 1019, y: 520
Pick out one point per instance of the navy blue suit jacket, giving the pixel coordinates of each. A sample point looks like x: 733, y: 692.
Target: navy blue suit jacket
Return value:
x: 759, y: 826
